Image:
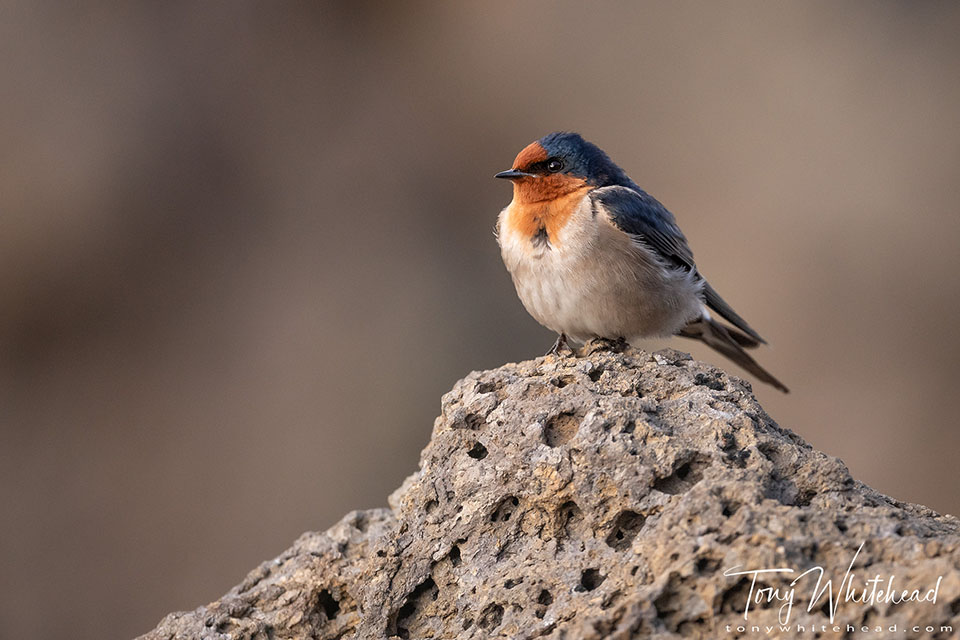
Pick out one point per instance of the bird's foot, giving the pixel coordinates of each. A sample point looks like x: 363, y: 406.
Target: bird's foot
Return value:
x: 619, y: 345
x: 560, y: 345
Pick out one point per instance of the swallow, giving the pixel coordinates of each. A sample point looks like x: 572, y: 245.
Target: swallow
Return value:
x: 594, y: 256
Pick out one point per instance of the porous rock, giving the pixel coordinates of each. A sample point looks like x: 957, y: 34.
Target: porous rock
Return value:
x: 602, y: 496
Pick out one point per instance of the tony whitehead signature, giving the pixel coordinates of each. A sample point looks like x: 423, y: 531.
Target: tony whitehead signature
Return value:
x: 874, y: 590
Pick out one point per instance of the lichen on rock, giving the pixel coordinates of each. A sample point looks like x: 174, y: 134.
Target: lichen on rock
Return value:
x: 602, y: 496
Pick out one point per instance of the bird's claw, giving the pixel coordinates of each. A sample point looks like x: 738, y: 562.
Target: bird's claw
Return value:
x: 559, y: 345
x: 619, y: 345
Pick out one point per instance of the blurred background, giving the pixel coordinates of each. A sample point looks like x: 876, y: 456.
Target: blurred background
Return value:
x: 245, y: 247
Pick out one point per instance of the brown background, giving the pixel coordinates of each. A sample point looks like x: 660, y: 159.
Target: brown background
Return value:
x: 245, y: 247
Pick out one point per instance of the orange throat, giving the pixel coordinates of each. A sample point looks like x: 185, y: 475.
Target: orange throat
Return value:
x: 544, y: 205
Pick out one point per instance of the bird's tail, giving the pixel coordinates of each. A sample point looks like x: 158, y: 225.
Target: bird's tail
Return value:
x: 730, y: 343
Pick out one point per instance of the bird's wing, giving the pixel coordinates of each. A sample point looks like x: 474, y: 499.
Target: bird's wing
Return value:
x: 640, y: 215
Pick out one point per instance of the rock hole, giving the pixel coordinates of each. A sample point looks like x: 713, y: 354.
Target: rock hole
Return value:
x: 485, y: 387
x: 568, y: 514
x: 490, y: 617
x: 328, y: 604
x: 630, y: 427
x: 733, y: 453
x: 454, y: 555
x: 595, y: 373
x: 739, y: 458
x: 590, y: 579
x: 511, y: 583
x: 770, y: 451
x: 784, y: 491
x: 668, y: 603
x: 544, y: 600
x: 224, y: 625
x: 841, y: 525
x: 430, y: 506
x: 360, y: 522
x: 405, y: 615
x: 505, y: 509
x: 729, y: 508
x: 478, y: 451
x: 474, y: 422
x: 955, y: 606
x: 709, y: 380
x: 561, y: 428
x: 707, y: 565
x: 734, y: 599
x: 625, y: 529
x: 825, y: 609
x: 561, y: 381
x: 728, y: 442
x: 683, y: 477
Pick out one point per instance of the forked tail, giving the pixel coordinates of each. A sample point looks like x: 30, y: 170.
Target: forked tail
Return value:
x: 731, y: 343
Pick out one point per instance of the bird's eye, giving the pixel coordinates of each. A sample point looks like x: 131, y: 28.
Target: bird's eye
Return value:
x: 554, y: 165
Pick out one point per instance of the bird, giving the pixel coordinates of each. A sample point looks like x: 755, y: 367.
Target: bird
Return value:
x: 595, y: 257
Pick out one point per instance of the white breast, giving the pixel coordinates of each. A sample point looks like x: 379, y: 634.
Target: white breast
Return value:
x: 593, y: 280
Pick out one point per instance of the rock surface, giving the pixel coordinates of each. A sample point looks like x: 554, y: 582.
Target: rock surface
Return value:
x: 602, y: 496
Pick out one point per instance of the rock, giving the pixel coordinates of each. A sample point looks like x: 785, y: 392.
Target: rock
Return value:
x: 603, y: 496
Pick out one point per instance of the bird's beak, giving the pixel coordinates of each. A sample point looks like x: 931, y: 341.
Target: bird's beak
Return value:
x: 513, y: 174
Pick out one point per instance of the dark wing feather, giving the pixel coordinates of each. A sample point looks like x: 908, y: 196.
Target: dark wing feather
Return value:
x: 636, y: 212
x: 715, y: 302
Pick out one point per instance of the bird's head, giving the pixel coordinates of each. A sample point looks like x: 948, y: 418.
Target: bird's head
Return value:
x: 558, y: 164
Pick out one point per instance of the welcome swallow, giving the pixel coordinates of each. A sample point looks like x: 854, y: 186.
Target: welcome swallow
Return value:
x: 592, y: 255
